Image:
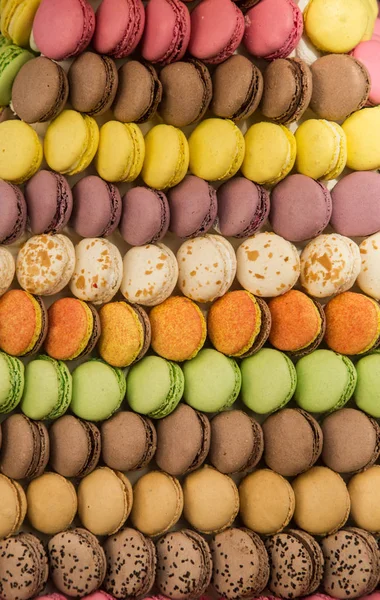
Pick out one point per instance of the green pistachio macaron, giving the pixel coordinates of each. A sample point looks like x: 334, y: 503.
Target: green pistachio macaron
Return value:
x: 367, y: 391
x: 12, y: 382
x: 48, y: 388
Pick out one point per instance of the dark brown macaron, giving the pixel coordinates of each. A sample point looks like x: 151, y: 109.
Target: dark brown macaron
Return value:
x: 237, y: 88
x: 237, y: 442
x: 351, y: 441
x: 40, y: 90
x: 246, y: 4
x: 287, y: 92
x: 129, y: 441
x: 74, y: 446
x: 341, y: 85
x: 183, y: 440
x: 23, y: 567
x: 139, y: 93
x: 25, y: 447
x: 93, y: 83
x: 293, y: 441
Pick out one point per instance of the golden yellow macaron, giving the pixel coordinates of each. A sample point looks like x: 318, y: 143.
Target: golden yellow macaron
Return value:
x: 17, y: 19
x: 372, y: 9
x: 20, y: 151
x: 362, y: 130
x: 321, y: 149
x: 121, y: 151
x: 166, y: 157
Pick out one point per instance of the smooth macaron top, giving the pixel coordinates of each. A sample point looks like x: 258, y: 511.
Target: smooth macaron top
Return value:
x: 355, y: 209
x: 50, y: 202
x: 243, y: 207
x: 119, y: 27
x: 93, y: 81
x: 145, y: 216
x: 193, y: 207
x: 366, y: 53
x: 13, y: 213
x: 167, y: 31
x: 96, y: 207
x: 23, y: 323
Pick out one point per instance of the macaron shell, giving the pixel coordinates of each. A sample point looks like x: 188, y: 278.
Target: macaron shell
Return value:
x: 122, y: 336
x: 164, y: 169
x: 119, y: 26
x: 18, y: 169
x: 168, y: 42
x: 365, y: 52
x: 96, y: 207
x: 13, y: 213
x: 368, y: 278
x: 145, y: 216
x: 129, y: 441
x: 7, y: 269
x: 98, y: 390
x: 17, y: 21
x: 325, y: 157
x: 139, y: 92
x: 363, y: 489
x: 52, y: 503
x: 93, y: 81
x: 121, y: 151
x: 356, y: 190
x: 363, y: 145
x: 14, y: 506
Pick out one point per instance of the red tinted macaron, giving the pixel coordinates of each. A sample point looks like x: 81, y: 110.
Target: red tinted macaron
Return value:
x: 243, y: 207
x: 167, y: 31
x: 23, y: 323
x: 12, y: 213
x: 119, y: 27
x: 145, y: 216
x: 193, y: 207
x: 50, y: 202
x: 96, y: 207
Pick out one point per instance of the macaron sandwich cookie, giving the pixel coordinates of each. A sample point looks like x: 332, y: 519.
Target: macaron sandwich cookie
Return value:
x: 119, y: 27
x: 23, y: 323
x: 361, y: 129
x: 93, y: 83
x: 7, y: 269
x: 359, y: 189
x: 14, y: 502
x: 25, y: 554
x: 145, y: 216
x: 12, y: 58
x: 17, y: 20
x: 368, y: 275
x: 96, y: 207
x: 52, y: 503
x: 367, y: 389
x: 18, y: 167
x: 166, y: 155
x: 25, y: 447
x: 325, y: 159
x: 12, y: 375
x: 12, y: 213
x: 193, y: 207
x: 363, y: 488
x: 121, y: 151
x: 49, y: 202
x: 243, y: 208
x: 164, y: 45
x: 130, y: 107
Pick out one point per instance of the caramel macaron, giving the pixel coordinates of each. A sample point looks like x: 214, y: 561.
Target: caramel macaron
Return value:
x: 52, y: 503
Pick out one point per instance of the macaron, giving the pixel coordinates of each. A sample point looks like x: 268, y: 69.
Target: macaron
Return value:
x: 355, y: 211
x: 243, y: 207
x: 18, y: 167
x: 217, y: 148
x: 293, y: 441
x: 23, y: 323
x: 365, y: 53
x: 12, y: 213
x: 321, y: 149
x: 150, y: 274
x: 74, y: 446
x: 52, y: 503
x: 145, y: 216
x: 212, y: 381
x: 158, y: 400
x: 268, y: 381
x: 98, y: 390
x: 71, y: 142
x: 104, y: 501
x: 350, y: 441
x: 49, y: 202
x: 215, y: 44
x: 166, y: 155
x: 25, y: 447
x: 130, y: 106
x: 119, y: 27
x: 98, y: 271
x: 96, y: 207
x: 362, y: 129
x: 40, y: 90
x: 121, y: 151
x: 165, y: 44
x: 7, y: 269
x: 24, y: 553
x: 245, y: 576
x: 363, y: 489
x: 17, y: 20
x: 270, y: 153
x: 129, y: 441
x: 93, y: 81
x: 12, y: 58
x: 12, y: 375
x: 211, y: 500
x: 183, y: 441
x: 237, y: 88
x: 158, y: 503
x: 62, y: 30
x: 14, y: 507
x: 325, y: 381
x: 193, y: 207
x: 55, y: 596
x: 368, y: 276
x: 237, y: 442
x: 366, y: 393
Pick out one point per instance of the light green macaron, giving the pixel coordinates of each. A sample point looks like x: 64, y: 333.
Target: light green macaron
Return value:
x: 367, y: 391
x: 48, y: 388
x: 11, y: 382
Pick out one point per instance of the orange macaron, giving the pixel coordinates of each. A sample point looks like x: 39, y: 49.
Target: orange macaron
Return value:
x: 23, y: 323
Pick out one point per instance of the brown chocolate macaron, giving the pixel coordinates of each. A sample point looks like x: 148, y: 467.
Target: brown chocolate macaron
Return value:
x: 93, y: 83
x: 139, y: 93
x: 74, y: 446
x: 237, y: 88
x: 25, y: 447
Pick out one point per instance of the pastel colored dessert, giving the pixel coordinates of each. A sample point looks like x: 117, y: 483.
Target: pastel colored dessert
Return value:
x: 145, y: 216
x: 119, y: 27
x: 350, y: 441
x: 245, y: 581
x: 98, y: 271
x: 237, y: 88
x: 45, y: 264
x: 325, y: 381
x: 74, y: 446
x: 12, y: 372
x: 178, y: 329
x: 206, y: 267
x: 293, y: 441
x: 49, y: 202
x: 161, y: 399
x: 363, y: 489
x: 99, y: 595
x: 365, y: 53
x: 104, y: 501
x: 341, y: 85
x: 98, y: 390
x: 129, y: 441
x: 193, y: 207
x: 186, y: 92
x: 96, y: 207
x: 191, y: 577
x: 25, y: 447
x: 52, y: 503
x: 125, y: 333
x: 133, y: 107
x: 242, y: 435
x: 330, y: 265
x: 93, y: 83
x: 212, y: 381
x: 300, y: 208
x: 361, y: 130
x: 356, y: 190
x: 62, y: 30
x: 166, y: 156
x: 23, y: 323
x: 366, y: 393
x: 243, y: 208
x: 21, y: 166
x: 121, y: 151
x: 24, y: 552
x: 12, y: 58
x: 368, y: 276
x: 7, y: 269
x: 55, y: 596
x: 268, y: 381
x: 321, y: 149
x: 47, y: 390
x: 167, y: 31
x: 150, y: 274
x: 238, y: 324
x: 17, y: 19
x: 270, y: 153
x: 211, y: 500
x: 216, y: 149
x: 40, y: 90
x: 158, y: 503
x: 14, y: 507
x: 215, y: 44
x: 77, y: 562
x: 183, y: 441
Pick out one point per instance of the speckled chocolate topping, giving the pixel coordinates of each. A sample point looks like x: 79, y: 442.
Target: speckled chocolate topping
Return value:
x: 23, y: 567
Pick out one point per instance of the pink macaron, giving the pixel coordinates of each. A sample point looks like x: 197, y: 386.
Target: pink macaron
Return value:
x: 119, y: 27
x: 376, y: 30
x: 273, y: 29
x: 99, y: 595
x: 368, y: 53
x: 167, y: 31
x: 52, y: 597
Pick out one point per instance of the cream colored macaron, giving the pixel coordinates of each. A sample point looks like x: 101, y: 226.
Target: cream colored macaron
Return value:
x: 52, y: 503
x: 7, y: 269
x: 364, y: 490
x: 13, y: 506
x: 369, y: 276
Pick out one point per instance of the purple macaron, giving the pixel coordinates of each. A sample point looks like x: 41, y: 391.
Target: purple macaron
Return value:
x: 243, y: 207
x: 97, y: 207
x: 300, y: 208
x: 49, y: 201
x: 193, y: 207
x: 145, y: 216
x: 12, y: 213
x: 356, y: 204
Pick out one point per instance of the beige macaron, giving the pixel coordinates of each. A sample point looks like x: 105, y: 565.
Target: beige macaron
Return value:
x: 364, y: 490
x: 7, y: 269
x: 12, y: 506
x: 52, y: 503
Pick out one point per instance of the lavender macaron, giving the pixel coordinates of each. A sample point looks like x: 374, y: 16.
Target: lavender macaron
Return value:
x: 356, y: 204
x: 193, y: 207
x: 12, y: 213
x: 96, y: 208
x: 49, y: 201
x: 145, y: 216
x: 243, y: 208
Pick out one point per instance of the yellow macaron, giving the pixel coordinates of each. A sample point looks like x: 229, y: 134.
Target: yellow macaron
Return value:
x: 166, y: 157
x: 17, y: 19
x: 362, y: 130
x: 321, y: 149
x: 71, y: 142
x: 121, y: 151
x: 20, y: 151
x: 372, y: 9
x: 217, y: 149
x: 270, y: 152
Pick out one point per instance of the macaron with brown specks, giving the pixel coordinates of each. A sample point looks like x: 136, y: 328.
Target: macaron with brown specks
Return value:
x: 139, y: 93
x: 93, y: 81
x: 13, y: 506
x: 25, y: 447
x: 24, y: 572
x: 52, y: 503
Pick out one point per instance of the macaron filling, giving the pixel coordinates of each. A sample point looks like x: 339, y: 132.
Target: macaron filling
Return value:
x: 109, y: 69
x: 41, y: 324
x: 176, y: 48
x: 174, y: 393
